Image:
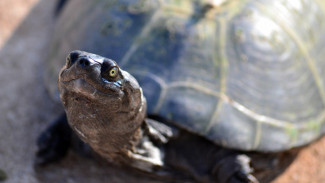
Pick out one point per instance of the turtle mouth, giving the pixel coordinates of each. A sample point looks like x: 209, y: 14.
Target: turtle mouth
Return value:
x: 89, y: 86
x: 80, y: 85
x: 89, y: 82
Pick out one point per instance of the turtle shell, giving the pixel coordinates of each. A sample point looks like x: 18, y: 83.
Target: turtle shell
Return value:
x: 248, y: 75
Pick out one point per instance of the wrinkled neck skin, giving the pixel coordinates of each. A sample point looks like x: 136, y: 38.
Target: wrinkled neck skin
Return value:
x: 110, y: 122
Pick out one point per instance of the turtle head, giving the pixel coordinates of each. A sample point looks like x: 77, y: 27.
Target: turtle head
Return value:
x: 99, y: 80
x: 104, y: 104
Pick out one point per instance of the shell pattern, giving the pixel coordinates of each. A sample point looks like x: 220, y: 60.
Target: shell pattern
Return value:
x: 248, y: 75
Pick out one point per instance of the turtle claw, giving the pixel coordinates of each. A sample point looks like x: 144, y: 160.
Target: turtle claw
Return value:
x: 234, y: 169
x: 242, y: 177
x: 245, y: 170
x: 158, y: 132
x: 54, y: 142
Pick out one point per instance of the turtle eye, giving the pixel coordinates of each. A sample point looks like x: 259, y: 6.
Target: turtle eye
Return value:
x: 113, y: 72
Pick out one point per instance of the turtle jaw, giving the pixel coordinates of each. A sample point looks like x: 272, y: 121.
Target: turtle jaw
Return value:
x: 85, y: 87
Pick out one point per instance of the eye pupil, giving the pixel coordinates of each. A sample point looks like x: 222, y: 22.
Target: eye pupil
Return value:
x: 113, y: 72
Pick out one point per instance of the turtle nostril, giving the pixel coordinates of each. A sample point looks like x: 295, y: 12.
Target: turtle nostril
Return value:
x: 87, y: 63
x: 84, y: 62
x: 73, y: 56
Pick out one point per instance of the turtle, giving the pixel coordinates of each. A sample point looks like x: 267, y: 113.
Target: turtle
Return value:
x: 215, y: 90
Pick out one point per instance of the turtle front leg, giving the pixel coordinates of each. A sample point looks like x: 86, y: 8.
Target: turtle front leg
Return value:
x: 54, y: 142
x: 148, y: 155
x: 158, y: 132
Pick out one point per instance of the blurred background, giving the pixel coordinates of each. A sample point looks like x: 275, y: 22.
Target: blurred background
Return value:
x: 26, y: 108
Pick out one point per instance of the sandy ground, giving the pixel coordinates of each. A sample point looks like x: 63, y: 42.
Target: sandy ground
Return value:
x: 25, y: 27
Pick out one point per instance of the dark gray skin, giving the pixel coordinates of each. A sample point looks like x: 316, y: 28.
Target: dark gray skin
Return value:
x: 105, y: 107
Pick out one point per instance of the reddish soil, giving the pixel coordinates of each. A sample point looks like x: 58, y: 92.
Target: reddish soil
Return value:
x: 309, y: 166
x: 11, y: 14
